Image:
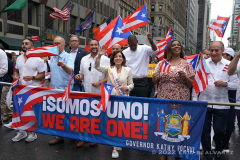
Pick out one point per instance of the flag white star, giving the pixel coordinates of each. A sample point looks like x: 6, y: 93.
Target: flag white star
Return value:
x: 119, y: 30
x: 143, y: 15
x: 19, y: 100
x: 108, y: 87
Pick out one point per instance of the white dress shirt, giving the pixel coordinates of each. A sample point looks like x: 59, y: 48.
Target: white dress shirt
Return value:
x: 31, y: 67
x: 93, y: 75
x: 74, y: 54
x: 3, y: 63
x: 138, y: 60
x: 238, y: 86
x: 213, y: 93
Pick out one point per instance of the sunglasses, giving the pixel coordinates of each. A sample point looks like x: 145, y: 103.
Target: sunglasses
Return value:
x: 57, y: 43
x: 26, y: 43
x: 90, y: 67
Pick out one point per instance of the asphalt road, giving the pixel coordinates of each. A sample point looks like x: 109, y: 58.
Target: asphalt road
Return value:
x: 40, y: 150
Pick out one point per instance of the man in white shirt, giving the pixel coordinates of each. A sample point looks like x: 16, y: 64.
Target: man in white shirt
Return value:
x: 219, y: 82
x: 31, y: 72
x: 90, y: 76
x: 137, y: 57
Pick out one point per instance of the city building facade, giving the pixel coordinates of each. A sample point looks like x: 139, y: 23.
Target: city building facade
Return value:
x: 234, y: 37
x: 34, y: 20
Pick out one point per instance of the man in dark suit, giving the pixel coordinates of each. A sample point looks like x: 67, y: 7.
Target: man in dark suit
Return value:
x: 77, y: 55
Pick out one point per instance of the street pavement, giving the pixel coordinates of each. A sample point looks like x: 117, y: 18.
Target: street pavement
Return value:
x: 41, y: 150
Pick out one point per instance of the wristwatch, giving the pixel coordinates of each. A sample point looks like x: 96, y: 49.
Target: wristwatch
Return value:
x: 33, y: 77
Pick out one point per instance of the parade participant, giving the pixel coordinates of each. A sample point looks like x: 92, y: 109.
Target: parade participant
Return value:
x: 61, y: 68
x: 177, y: 83
x: 5, y: 108
x: 117, y: 72
x: 229, y: 54
x: 3, y: 67
x: 14, y: 57
x: 206, y: 53
x: 234, y: 68
x: 89, y: 75
x: 219, y: 83
x: 31, y: 72
x: 116, y: 47
x: 47, y: 79
x: 137, y: 57
x: 77, y: 55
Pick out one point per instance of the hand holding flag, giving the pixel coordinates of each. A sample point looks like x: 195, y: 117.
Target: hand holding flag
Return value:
x: 66, y: 92
x: 106, y: 90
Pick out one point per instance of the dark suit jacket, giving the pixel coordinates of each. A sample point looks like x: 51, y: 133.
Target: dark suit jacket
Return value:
x: 80, y: 54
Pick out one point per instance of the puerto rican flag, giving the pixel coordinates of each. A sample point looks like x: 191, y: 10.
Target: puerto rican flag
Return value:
x: 23, y: 117
x: 220, y: 25
x: 106, y: 90
x: 51, y: 50
x: 138, y: 19
x: 200, y: 81
x: 66, y: 92
x: 225, y: 68
x: 238, y: 19
x: 165, y: 67
x: 193, y: 60
x: 162, y: 45
x: 112, y: 34
x: 14, y: 83
x: 99, y: 29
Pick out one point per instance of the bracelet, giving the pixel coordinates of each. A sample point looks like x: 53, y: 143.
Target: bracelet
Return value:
x: 155, y: 91
x: 100, y: 81
x: 62, y: 65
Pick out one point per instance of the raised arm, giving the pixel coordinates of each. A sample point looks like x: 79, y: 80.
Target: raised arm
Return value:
x: 232, y: 68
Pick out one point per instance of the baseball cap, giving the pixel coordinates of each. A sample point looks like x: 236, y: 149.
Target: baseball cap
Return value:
x: 229, y: 51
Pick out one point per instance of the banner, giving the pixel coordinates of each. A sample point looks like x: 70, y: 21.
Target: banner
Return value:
x: 169, y: 127
x: 151, y: 70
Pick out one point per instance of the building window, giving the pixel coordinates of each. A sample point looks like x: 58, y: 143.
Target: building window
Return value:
x: 152, y: 7
x: 160, y: 20
x: 61, y: 26
x: 48, y: 20
x: 14, y: 29
x: 1, y: 27
x: 152, y: 19
x: 125, y: 13
x: 160, y: 7
x: 159, y: 31
x: 14, y: 15
x: 72, y: 23
x: 32, y: 14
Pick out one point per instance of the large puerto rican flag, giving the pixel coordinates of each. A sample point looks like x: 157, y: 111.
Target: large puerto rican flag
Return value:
x: 220, y: 25
x: 99, y: 29
x: 238, y: 19
x: 112, y: 34
x: 138, y: 19
x: 51, y: 50
x: 193, y: 60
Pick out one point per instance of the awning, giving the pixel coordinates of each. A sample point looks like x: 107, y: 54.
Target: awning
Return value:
x: 15, y: 44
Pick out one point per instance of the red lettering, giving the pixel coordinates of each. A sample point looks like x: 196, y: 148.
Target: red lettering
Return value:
x: 48, y: 121
x: 135, y: 130
x: 59, y: 122
x: 74, y: 123
x: 112, y: 123
x: 124, y: 129
x: 84, y: 124
x: 95, y: 126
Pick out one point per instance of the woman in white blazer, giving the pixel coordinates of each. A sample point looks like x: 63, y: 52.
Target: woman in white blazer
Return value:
x: 117, y: 62
x: 119, y: 76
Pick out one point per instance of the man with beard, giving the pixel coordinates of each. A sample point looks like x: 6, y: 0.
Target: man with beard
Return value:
x: 31, y: 72
x: 61, y: 68
x: 90, y: 76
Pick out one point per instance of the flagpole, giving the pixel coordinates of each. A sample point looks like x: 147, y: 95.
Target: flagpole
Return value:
x: 6, y: 6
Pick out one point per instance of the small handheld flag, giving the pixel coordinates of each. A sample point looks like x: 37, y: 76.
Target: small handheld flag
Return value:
x: 14, y: 83
x: 66, y: 92
x: 51, y: 50
x: 106, y: 90
x: 165, y: 67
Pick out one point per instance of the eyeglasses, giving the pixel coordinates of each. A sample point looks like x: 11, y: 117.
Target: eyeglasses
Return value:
x: 90, y: 67
x: 26, y: 43
x: 74, y: 41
